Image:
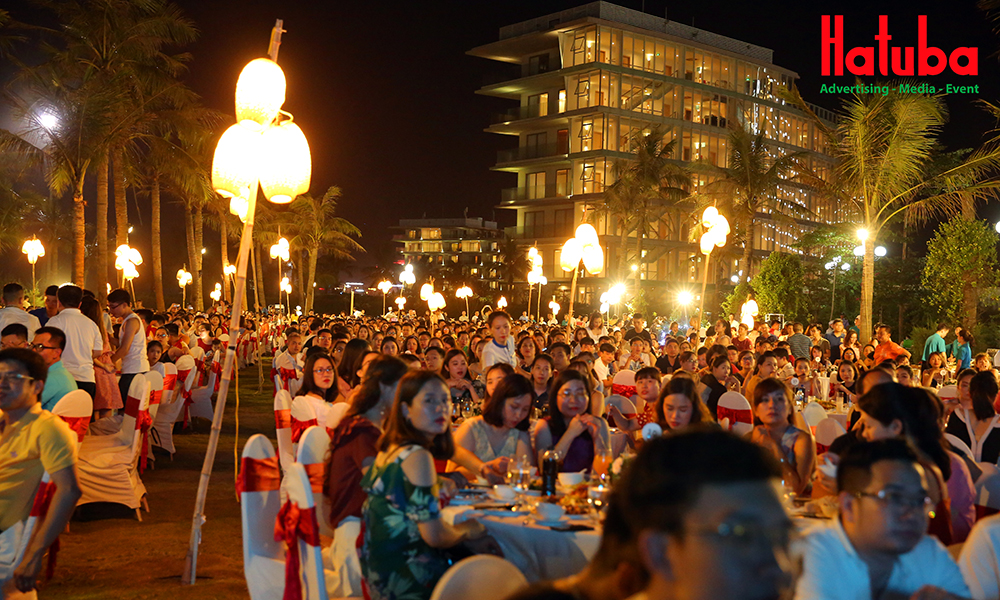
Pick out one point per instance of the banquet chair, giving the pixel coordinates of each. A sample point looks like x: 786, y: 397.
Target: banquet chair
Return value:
x: 155, y: 399
x: 171, y: 405
x: 827, y: 430
x: 948, y: 392
x: 483, y: 577
x: 198, y: 354
x: 623, y: 383
x: 813, y: 413
x: 201, y: 397
x: 75, y: 408
x: 283, y: 428
x: 107, y: 465
x: 335, y: 414
x: 313, y: 447
x: 987, y: 491
x: 187, y: 375
x: 263, y: 557
x: 303, y: 415
x: 959, y: 445
x: 39, y: 509
x: 300, y: 495
x: 624, y: 406
x: 733, y: 406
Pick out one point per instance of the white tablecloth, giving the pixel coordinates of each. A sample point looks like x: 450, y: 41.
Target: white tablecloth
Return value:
x: 539, y: 552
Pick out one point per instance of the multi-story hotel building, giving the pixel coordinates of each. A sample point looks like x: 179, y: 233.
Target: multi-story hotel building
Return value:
x: 469, y: 246
x: 593, y: 78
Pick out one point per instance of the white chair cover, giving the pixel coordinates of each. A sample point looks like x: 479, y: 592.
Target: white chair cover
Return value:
x: 201, y: 397
x: 828, y: 430
x: 283, y: 427
x: 959, y: 445
x: 171, y: 405
x: 624, y: 377
x: 988, y: 486
x: 25, y: 529
x: 483, y: 577
x: 155, y: 399
x: 948, y: 392
x: 263, y: 558
x: 106, y: 468
x: 76, y: 408
x: 310, y: 557
x: 335, y: 414
x: 313, y: 448
x: 187, y: 386
x: 198, y: 354
x: 813, y: 413
x: 303, y: 415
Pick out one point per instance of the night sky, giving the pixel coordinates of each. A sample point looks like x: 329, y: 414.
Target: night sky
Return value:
x: 386, y: 94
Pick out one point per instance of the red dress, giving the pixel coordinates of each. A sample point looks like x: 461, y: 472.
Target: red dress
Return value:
x: 351, y: 443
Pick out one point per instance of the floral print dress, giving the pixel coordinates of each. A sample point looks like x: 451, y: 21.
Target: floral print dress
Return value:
x: 396, y: 563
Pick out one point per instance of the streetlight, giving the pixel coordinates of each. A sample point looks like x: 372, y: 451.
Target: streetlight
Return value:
x: 535, y: 272
x: 280, y: 251
x: 229, y: 271
x: 406, y: 277
x: 384, y: 286
x: 685, y: 298
x: 716, y: 229
x: 286, y: 286
x: 542, y: 282
x: 34, y: 250
x: 183, y: 279
x: 748, y: 311
x: 263, y: 149
x: 466, y: 292
x: 400, y: 302
x: 612, y: 296
x: 554, y: 306
x: 502, y: 303
x: 584, y: 247
x: 216, y: 293
x: 126, y: 261
x: 843, y: 266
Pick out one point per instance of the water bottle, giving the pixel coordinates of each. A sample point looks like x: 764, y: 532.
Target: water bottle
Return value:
x: 550, y: 472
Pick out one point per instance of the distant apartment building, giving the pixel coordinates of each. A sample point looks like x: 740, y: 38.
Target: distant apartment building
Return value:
x: 593, y: 78
x: 469, y: 247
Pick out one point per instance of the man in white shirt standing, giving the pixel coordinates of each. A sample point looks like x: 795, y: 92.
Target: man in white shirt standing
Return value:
x: 13, y: 310
x: 879, y: 547
x: 83, y: 338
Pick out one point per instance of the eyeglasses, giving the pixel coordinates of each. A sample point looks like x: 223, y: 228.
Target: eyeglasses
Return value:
x: 567, y: 394
x: 40, y: 347
x: 901, y: 501
x: 11, y: 379
x: 161, y: 335
x: 325, y: 371
x: 114, y: 306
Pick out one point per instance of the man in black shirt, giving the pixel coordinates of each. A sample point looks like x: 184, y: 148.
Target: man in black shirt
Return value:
x: 638, y: 330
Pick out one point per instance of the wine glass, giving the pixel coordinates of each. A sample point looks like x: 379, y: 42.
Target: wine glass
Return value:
x: 519, y: 479
x: 597, y: 498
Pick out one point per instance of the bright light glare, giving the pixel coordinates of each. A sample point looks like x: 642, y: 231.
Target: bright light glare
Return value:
x: 859, y: 251
x: 846, y: 266
x: 48, y: 120
x: 862, y: 234
x: 879, y: 250
x: 735, y: 278
x: 685, y: 298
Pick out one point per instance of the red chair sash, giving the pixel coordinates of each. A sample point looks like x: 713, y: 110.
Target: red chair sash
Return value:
x: 155, y: 397
x: 143, y: 423
x: 199, y: 365
x: 258, y: 475
x: 282, y: 418
x: 623, y: 390
x: 77, y: 424
x: 299, y: 427
x: 317, y: 475
x: 274, y: 372
x: 40, y: 508
x: 169, y: 381
x: 132, y: 409
x: 734, y: 415
x: 217, y: 369
x: 821, y: 449
x: 185, y: 393
x: 287, y: 375
x: 291, y: 525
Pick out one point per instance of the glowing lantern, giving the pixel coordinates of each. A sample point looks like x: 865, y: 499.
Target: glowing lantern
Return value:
x: 593, y: 258
x: 502, y: 302
x: 33, y: 249
x: 384, y: 286
x: 555, y: 307
x: 571, y: 253
x: 587, y: 235
x: 426, y: 291
x: 260, y: 92
x: 407, y: 277
x: 280, y: 250
x: 709, y: 216
x: 286, y: 168
x: 234, y: 166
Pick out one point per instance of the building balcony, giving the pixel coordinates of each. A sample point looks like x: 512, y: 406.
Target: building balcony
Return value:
x: 532, y: 152
x: 532, y: 232
x: 534, y: 192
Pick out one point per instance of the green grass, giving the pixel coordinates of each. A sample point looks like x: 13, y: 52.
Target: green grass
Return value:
x: 118, y: 557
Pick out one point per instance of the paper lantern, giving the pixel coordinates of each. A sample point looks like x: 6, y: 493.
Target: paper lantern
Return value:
x: 709, y: 216
x: 571, y: 254
x: 260, y: 92
x: 234, y: 166
x: 707, y: 242
x: 426, y: 291
x: 593, y: 259
x: 586, y: 233
x: 286, y: 167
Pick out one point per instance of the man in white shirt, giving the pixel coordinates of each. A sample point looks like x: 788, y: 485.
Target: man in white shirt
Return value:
x: 980, y: 559
x: 13, y: 310
x: 879, y: 547
x: 83, y: 338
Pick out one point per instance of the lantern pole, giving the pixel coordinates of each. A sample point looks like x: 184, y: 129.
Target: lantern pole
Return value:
x: 704, y: 287
x: 191, y: 561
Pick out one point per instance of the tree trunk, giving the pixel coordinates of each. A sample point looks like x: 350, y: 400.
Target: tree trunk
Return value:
x: 79, y: 234
x: 102, y: 231
x: 301, y: 276
x: 260, y: 282
x: 121, y: 202
x: 311, y: 279
x: 199, y: 243
x: 623, y: 251
x: 750, y: 228
x: 224, y: 234
x: 968, y: 208
x: 154, y: 200
x: 189, y: 234
x: 867, y: 289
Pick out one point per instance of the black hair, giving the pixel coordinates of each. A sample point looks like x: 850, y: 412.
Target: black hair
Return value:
x: 511, y: 386
x: 15, y: 329
x: 30, y: 361
x: 983, y: 388
x: 70, y: 296
x: 55, y: 334
x: 120, y: 296
x: 854, y: 471
x: 918, y: 414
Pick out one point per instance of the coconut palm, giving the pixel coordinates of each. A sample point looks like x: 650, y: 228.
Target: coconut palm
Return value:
x: 884, y: 147
x: 316, y: 230
x: 513, y: 266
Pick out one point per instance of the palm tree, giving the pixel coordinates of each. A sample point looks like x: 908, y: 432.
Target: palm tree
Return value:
x: 316, y: 230
x: 513, y: 266
x: 884, y: 146
x: 645, y: 189
x: 752, y: 184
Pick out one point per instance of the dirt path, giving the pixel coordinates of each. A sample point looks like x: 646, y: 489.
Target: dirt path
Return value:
x: 115, y: 556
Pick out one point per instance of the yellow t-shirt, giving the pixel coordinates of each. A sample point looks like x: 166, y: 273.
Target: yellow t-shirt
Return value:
x: 37, y: 442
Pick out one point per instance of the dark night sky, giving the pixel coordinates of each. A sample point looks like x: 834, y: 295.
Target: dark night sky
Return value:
x: 386, y: 94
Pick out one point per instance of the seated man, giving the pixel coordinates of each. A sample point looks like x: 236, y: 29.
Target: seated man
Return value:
x: 879, y: 547
x: 979, y: 560
x: 14, y: 335
x: 707, y: 523
x: 42, y: 442
x: 49, y: 343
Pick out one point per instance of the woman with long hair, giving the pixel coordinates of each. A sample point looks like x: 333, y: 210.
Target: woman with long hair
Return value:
x: 346, y: 370
x: 108, y: 396
x: 389, y: 346
x: 680, y: 406
x: 456, y: 374
x: 526, y: 350
x: 502, y: 430
x: 319, y: 386
x: 892, y: 410
x: 401, y: 555
x: 575, y: 434
x: 792, y: 447
x: 936, y: 373
x: 766, y: 367
x: 976, y: 421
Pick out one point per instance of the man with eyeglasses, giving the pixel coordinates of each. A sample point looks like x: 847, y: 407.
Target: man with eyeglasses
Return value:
x: 702, y: 510
x: 49, y: 343
x: 32, y: 442
x: 131, y: 340
x: 879, y: 547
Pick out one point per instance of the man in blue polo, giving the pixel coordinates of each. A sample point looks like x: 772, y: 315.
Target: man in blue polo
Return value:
x: 935, y: 342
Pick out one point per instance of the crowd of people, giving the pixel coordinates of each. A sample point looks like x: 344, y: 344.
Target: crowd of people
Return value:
x: 434, y: 404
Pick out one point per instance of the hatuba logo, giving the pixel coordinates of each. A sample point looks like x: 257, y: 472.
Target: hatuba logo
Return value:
x: 894, y: 59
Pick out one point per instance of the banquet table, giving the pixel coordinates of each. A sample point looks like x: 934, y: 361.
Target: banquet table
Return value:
x: 538, y: 552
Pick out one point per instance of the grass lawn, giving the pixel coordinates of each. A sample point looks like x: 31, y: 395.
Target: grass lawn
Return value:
x: 111, y: 555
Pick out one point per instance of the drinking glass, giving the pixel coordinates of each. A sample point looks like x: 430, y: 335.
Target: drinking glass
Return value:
x: 597, y: 498
x: 519, y: 479
x: 602, y: 462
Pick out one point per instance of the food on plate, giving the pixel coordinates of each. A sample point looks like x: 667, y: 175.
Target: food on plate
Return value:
x: 575, y: 501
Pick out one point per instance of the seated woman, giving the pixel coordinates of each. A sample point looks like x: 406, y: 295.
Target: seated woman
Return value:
x: 527, y: 350
x: 596, y: 397
x: 575, y: 434
x: 319, y: 387
x: 766, y: 367
x: 975, y: 421
x: 346, y: 371
x: 794, y: 449
x: 680, y: 406
x: 401, y: 556
x: 934, y: 374
x: 817, y: 360
x: 456, y: 374
x: 891, y: 410
x: 717, y: 382
x: 494, y: 375
x: 502, y: 430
